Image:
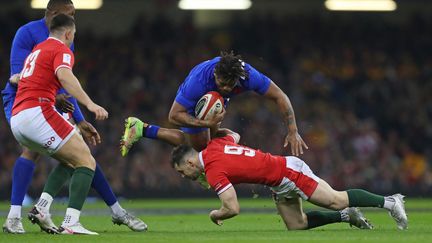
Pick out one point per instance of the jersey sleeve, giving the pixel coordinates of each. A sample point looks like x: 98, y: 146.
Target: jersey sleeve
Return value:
x: 64, y: 58
x: 258, y: 82
x: 218, y: 180
x: 189, y: 92
x: 22, y: 45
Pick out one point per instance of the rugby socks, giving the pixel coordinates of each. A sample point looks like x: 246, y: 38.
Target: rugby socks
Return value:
x: 71, y: 217
x: 14, y: 212
x: 57, y: 178
x: 100, y: 184
x: 389, y: 203
x: 362, y: 198
x: 320, y: 218
x: 117, y: 210
x: 44, y: 202
x: 151, y: 131
x: 79, y: 187
x: 21, y: 177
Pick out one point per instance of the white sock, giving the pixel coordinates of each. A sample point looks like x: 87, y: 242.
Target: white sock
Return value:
x: 389, y: 202
x: 44, y: 202
x: 71, y: 217
x: 117, y: 210
x: 15, y: 211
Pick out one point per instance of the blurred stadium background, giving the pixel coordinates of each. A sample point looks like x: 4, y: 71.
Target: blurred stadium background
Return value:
x: 360, y: 84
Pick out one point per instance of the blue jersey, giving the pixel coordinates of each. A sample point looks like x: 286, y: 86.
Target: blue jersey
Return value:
x: 201, y: 80
x: 26, y: 38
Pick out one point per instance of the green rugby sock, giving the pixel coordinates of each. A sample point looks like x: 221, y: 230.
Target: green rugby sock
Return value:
x: 79, y: 187
x: 319, y: 218
x: 57, y: 178
x: 362, y: 198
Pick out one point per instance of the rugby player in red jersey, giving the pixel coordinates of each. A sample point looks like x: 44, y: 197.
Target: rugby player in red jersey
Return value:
x: 37, y: 125
x: 226, y: 163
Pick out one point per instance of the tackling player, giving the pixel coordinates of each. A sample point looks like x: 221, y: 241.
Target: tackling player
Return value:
x: 25, y: 39
x: 226, y: 163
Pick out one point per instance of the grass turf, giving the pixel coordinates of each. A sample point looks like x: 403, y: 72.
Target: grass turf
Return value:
x: 247, y: 227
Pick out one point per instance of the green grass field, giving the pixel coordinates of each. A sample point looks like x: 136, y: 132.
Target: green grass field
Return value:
x: 187, y: 221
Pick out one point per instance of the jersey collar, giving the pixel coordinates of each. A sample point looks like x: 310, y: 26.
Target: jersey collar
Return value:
x: 55, y: 39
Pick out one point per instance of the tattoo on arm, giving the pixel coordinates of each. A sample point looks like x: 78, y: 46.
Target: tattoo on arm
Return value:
x: 289, y: 117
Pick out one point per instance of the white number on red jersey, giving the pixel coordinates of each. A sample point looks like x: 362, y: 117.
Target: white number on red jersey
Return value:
x: 30, y: 64
x: 238, y: 150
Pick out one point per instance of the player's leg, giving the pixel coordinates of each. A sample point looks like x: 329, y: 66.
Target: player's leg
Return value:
x: 119, y: 215
x: 77, y: 153
x: 291, y: 211
x: 21, y: 178
x: 135, y: 129
x: 327, y: 197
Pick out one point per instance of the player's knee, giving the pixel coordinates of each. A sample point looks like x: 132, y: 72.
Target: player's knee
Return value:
x: 30, y: 155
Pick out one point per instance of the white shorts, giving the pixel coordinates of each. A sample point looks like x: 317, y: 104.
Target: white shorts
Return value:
x: 298, y: 180
x: 41, y: 129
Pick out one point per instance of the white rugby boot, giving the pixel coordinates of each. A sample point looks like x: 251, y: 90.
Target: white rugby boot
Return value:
x: 43, y: 219
x: 13, y: 226
x: 398, y: 211
x: 75, y: 229
x: 130, y: 221
x: 357, y: 219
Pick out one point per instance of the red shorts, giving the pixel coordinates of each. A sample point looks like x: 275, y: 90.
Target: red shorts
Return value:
x: 41, y: 129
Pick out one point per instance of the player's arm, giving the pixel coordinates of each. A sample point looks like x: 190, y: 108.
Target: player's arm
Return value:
x: 71, y: 84
x: 281, y: 99
x: 22, y: 45
x: 179, y: 116
x: 222, y: 132
x: 230, y: 206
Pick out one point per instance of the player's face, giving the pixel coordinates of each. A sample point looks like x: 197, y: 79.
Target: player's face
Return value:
x: 224, y: 86
x: 188, y: 170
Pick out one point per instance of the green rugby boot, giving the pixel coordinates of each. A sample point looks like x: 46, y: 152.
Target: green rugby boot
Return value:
x: 134, y: 129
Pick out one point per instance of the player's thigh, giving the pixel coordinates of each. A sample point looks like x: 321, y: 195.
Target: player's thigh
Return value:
x: 199, y: 139
x: 291, y: 211
x: 325, y: 196
x: 75, y: 152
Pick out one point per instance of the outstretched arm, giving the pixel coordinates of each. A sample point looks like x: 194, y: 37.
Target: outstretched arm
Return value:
x: 281, y: 99
x: 230, y: 207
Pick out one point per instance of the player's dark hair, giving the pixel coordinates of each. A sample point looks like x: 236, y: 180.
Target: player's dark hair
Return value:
x: 61, y: 21
x: 230, y: 67
x: 53, y: 4
x: 178, y: 154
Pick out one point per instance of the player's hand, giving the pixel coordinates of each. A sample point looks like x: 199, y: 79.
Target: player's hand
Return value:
x: 89, y: 133
x: 216, y: 120
x: 63, y: 104
x: 14, y: 79
x: 296, y: 142
x: 99, y: 111
x: 213, y: 218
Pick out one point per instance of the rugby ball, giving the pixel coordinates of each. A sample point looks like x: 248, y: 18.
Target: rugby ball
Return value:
x: 208, y: 105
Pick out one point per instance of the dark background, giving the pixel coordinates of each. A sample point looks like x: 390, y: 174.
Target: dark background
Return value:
x: 360, y: 84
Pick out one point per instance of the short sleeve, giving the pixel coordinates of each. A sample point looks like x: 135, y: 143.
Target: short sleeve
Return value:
x: 63, y: 58
x: 218, y: 180
x: 257, y: 81
x: 189, y: 92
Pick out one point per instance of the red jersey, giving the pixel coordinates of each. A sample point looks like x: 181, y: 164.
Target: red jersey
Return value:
x: 226, y: 163
x: 38, y: 81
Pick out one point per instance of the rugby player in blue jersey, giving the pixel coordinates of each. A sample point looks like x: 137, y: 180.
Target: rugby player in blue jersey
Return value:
x: 25, y: 39
x: 228, y: 75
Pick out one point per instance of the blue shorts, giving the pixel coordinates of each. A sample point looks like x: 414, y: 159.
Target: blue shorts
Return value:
x: 8, y: 100
x: 193, y: 130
